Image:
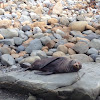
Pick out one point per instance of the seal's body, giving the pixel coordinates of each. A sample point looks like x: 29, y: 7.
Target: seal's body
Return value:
x: 55, y: 65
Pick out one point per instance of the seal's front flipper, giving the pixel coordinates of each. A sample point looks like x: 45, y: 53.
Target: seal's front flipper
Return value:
x: 43, y: 73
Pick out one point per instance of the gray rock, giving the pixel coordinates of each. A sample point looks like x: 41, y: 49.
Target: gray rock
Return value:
x: 80, y: 18
x: 34, y: 45
x: 87, y: 32
x: 98, y: 59
x: 57, y: 36
x: 14, y: 15
x: 49, y: 53
x: 8, y: 16
x: 95, y: 43
x: 94, y: 56
x: 36, y: 30
x: 34, y: 16
x: 38, y: 35
x: 18, y: 40
x: 26, y: 28
x: 20, y: 48
x: 58, y: 31
x: 64, y: 21
x: 9, y: 33
x: 25, y: 18
x: 92, y: 51
x: 53, y: 50
x: 29, y: 33
x: 92, y: 36
x: 7, y: 41
x: 5, y: 50
x: 45, y: 40
x: 17, y: 60
x: 22, y: 35
x: 61, y: 42
x: 76, y: 33
x: 81, y: 47
x: 83, y: 58
x: 39, y: 53
x: 7, y: 59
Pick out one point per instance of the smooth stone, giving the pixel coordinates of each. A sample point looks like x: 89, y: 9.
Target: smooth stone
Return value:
x: 57, y: 36
x: 26, y: 28
x: 36, y: 30
x: 22, y: 35
x: 61, y: 42
x: 18, y: 40
x: 45, y: 40
x: 38, y: 35
x: 64, y: 21
x: 7, y: 41
x: 95, y: 43
x: 78, y: 25
x: 58, y: 54
x: 23, y: 18
x: 17, y: 60
x: 81, y: 47
x: 29, y: 33
x: 94, y: 56
x: 7, y: 59
x: 92, y: 36
x: 53, y: 50
x: 9, y: 33
x: 20, y: 48
x: 34, y: 45
x: 5, y: 50
x: 62, y: 48
x: 80, y: 18
x: 92, y: 51
x: 87, y: 32
x: 34, y: 16
x: 83, y: 58
x: 76, y: 33
x: 30, y: 59
x: 39, y: 53
x: 60, y: 32
x: 49, y: 53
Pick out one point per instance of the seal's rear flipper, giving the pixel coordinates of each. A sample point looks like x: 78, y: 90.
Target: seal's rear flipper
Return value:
x: 43, y: 73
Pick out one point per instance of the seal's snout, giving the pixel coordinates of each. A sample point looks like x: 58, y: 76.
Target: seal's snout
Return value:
x: 77, y: 65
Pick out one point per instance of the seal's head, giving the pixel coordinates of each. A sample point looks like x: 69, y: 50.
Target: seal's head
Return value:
x: 75, y: 65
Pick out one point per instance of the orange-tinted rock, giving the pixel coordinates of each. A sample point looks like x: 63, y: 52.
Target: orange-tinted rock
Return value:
x: 97, y: 32
x: 90, y: 28
x: 15, y: 55
x: 52, y: 21
x: 1, y: 37
x: 44, y: 47
x: 71, y: 51
x: 27, y: 41
x: 13, y: 51
x: 22, y: 53
x: 69, y: 45
x: 62, y: 48
x: 58, y: 54
x: 5, y: 23
x: 51, y: 44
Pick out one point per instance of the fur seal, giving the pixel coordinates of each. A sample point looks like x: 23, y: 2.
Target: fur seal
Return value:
x: 54, y: 65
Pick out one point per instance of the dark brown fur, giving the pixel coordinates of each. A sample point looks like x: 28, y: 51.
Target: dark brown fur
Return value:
x: 55, y: 65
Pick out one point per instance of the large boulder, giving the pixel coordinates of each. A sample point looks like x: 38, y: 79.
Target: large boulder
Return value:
x: 72, y: 86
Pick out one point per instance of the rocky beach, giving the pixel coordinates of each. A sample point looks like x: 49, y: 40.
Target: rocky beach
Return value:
x: 37, y: 29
